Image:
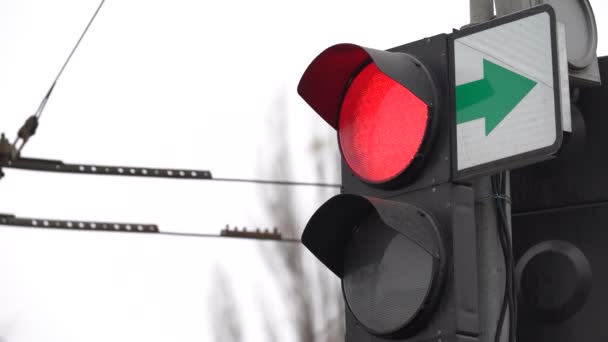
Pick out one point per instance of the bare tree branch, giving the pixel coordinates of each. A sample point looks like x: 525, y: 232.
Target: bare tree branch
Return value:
x: 225, y: 313
x: 312, y: 295
x: 297, y: 280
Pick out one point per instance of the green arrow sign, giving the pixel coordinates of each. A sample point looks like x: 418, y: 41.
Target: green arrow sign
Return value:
x: 492, y: 97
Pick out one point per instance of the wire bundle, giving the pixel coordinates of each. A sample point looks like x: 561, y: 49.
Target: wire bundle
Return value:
x: 509, y: 300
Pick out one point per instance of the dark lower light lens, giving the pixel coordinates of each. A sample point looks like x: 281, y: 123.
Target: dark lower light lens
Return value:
x: 387, y: 277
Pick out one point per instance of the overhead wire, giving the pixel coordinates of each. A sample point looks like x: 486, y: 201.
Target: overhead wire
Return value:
x: 13, y: 160
x: 202, y: 235
x: 48, y: 165
x: 137, y: 228
x: 275, y: 182
x: 86, y: 29
x: 31, y: 124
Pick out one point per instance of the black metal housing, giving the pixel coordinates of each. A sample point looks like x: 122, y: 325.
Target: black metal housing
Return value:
x: 577, y: 175
x: 563, y: 298
x: 326, y: 79
x: 432, y: 164
x: 451, y: 310
x: 330, y: 227
x: 414, y: 66
x: 328, y: 231
x: 564, y: 202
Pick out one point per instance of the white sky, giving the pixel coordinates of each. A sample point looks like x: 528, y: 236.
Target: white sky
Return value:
x: 170, y: 84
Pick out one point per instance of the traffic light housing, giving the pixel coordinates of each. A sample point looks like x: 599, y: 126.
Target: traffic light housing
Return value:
x: 402, y: 242
x: 410, y: 80
x: 365, y: 240
x: 402, y: 235
x: 559, y: 234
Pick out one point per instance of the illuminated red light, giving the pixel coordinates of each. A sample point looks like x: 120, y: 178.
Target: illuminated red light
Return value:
x: 381, y: 126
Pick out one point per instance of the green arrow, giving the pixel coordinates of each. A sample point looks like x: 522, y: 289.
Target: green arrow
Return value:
x: 492, y: 97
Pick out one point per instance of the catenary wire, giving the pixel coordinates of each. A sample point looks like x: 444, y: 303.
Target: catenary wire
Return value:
x: 136, y: 228
x: 49, y: 165
x: 29, y: 127
x: 261, y: 181
x: 48, y: 94
x: 181, y: 234
x: 201, y: 235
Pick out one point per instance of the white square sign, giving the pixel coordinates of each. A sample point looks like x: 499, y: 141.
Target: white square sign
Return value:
x: 506, y: 92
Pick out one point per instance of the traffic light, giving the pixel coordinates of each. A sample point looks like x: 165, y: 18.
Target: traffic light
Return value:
x: 416, y: 125
x: 560, y: 210
x: 390, y: 235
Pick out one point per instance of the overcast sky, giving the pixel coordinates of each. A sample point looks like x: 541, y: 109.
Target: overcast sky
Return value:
x: 170, y: 84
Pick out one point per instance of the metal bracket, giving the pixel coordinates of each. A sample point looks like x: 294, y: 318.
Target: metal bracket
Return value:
x: 59, y: 166
x: 12, y: 220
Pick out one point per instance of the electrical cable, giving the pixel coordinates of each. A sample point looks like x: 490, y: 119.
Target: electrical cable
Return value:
x: 86, y: 29
x: 31, y: 124
x: 45, y: 99
x: 29, y: 129
x: 511, y: 268
x: 48, y: 165
x: 511, y: 259
x: 505, y: 299
x: 260, y: 181
x: 509, y: 298
x: 137, y: 228
x: 290, y: 240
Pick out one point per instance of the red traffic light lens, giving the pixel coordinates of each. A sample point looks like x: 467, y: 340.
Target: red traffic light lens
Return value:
x: 381, y: 126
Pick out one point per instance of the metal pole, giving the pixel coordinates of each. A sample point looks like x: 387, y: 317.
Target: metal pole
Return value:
x: 504, y: 7
x: 491, y: 261
x: 481, y: 10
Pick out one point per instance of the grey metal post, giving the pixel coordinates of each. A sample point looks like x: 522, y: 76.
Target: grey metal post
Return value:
x: 504, y: 7
x: 491, y: 262
x: 481, y: 10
